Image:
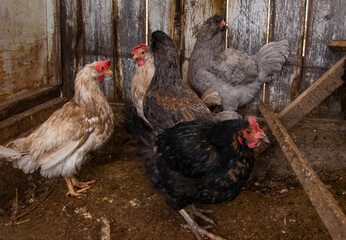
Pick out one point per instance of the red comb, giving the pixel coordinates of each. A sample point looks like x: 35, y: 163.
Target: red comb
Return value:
x: 134, y: 50
x: 254, y: 123
x: 103, y: 64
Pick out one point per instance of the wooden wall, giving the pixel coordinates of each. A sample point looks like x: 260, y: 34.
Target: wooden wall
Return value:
x: 29, y: 46
x: 109, y: 29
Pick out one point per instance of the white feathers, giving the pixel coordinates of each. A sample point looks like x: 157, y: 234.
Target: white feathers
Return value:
x: 9, y: 153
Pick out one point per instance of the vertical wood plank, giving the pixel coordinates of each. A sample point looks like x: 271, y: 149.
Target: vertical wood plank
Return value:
x: 99, y: 38
x: 247, y: 23
x: 70, y: 30
x: 130, y: 31
x: 23, y: 44
x: 54, y: 42
x: 284, y: 12
x: 326, y: 22
x: 196, y: 13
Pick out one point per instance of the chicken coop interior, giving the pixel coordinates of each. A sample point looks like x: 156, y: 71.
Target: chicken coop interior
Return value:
x: 297, y: 186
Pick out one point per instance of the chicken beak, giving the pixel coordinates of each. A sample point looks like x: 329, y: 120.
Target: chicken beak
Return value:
x: 108, y: 71
x: 265, y: 139
x: 136, y: 57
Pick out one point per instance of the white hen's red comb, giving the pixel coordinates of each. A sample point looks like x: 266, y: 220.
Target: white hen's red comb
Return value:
x: 103, y: 64
x: 135, y: 49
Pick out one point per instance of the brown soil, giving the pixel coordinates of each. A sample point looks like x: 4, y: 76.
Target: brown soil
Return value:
x: 271, y: 206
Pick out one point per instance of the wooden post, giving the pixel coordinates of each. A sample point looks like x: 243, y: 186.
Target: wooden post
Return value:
x: 320, y: 197
x: 309, y: 99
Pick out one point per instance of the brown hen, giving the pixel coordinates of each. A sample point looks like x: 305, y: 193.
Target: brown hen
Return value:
x: 59, y: 146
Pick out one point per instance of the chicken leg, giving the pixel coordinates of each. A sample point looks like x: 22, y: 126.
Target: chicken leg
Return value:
x: 197, y: 230
x: 73, y: 182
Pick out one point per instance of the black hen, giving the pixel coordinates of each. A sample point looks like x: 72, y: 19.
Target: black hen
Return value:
x: 168, y: 100
x: 203, y: 161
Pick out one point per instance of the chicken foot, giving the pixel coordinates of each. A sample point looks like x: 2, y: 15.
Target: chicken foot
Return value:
x: 198, y: 212
x: 196, y: 229
x: 74, y: 182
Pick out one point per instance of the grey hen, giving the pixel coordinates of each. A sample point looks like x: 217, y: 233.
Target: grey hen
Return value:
x: 235, y: 76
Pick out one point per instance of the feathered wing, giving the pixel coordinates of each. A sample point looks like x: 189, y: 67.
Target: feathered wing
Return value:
x: 165, y: 108
x: 56, y: 139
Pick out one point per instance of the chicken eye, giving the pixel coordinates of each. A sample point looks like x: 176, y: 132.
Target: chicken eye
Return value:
x: 248, y: 131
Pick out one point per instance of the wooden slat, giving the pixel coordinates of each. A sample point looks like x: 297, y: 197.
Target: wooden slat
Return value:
x: 313, y: 96
x: 324, y: 203
x: 247, y: 25
x: 196, y: 13
x: 308, y: 100
x: 99, y: 39
x: 129, y: 18
x: 27, y: 100
x: 277, y: 93
x: 326, y: 22
x: 338, y: 45
x: 22, y: 122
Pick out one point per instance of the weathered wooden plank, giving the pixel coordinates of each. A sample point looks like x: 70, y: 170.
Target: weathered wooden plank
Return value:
x: 196, y: 13
x: 247, y: 23
x: 53, y: 42
x: 166, y: 16
x: 22, y: 122
x: 27, y: 100
x: 99, y: 39
x: 71, y: 42
x: 313, y: 96
x: 130, y: 25
x: 323, y: 201
x: 326, y: 22
x: 338, y: 45
x: 308, y: 100
x: 277, y: 93
x: 23, y: 45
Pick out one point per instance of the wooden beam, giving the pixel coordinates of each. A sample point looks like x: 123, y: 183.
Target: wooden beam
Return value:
x: 308, y: 100
x: 12, y: 127
x: 27, y: 100
x: 324, y: 203
x: 338, y: 45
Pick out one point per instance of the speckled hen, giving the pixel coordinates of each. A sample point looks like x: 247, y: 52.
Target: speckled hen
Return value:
x: 203, y: 161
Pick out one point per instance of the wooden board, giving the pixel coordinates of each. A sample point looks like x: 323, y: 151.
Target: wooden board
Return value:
x: 326, y: 22
x: 17, y: 124
x: 99, y: 39
x: 338, y: 45
x: 23, y: 102
x: 23, y: 45
x: 130, y: 31
x: 247, y: 24
x: 278, y: 94
x: 323, y: 201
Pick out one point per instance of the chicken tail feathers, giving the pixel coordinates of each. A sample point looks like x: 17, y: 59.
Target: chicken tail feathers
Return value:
x: 271, y: 58
x: 9, y: 153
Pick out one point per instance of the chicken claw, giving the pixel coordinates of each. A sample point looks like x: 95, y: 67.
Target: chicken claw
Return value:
x: 199, y: 213
x: 73, y: 182
x: 197, y: 230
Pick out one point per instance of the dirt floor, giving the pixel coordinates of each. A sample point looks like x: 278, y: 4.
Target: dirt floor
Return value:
x: 273, y: 205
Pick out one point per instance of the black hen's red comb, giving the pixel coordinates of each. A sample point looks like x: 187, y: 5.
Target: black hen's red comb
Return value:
x: 103, y: 64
